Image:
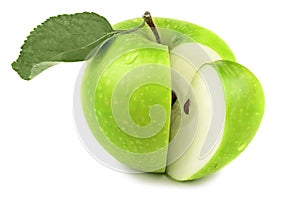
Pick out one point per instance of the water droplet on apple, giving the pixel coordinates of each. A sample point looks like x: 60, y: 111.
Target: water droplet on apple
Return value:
x: 131, y: 58
x: 242, y: 147
x: 218, y: 165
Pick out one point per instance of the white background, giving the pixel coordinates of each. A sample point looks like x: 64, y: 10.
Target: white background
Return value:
x: 41, y: 156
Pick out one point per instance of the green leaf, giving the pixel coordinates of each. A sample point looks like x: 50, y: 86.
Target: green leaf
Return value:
x: 64, y: 38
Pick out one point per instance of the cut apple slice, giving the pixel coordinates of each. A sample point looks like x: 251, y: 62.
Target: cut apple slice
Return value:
x: 229, y: 109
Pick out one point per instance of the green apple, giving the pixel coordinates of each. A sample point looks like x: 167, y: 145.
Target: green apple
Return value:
x: 127, y: 98
x: 165, y: 98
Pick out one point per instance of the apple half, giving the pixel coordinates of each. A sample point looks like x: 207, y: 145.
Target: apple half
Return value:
x: 127, y: 98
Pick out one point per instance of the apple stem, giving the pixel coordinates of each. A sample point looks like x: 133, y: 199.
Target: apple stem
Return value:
x: 148, y: 19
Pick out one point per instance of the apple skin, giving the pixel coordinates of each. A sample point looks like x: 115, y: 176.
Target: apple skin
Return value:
x: 115, y: 62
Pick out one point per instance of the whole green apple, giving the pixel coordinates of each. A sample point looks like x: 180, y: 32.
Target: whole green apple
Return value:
x: 179, y: 105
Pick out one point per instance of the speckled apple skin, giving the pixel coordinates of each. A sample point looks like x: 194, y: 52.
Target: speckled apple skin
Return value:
x: 117, y: 58
x: 244, y: 98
